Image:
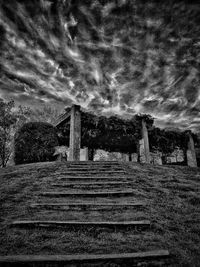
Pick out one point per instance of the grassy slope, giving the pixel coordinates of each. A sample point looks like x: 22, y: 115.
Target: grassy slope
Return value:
x: 172, y: 195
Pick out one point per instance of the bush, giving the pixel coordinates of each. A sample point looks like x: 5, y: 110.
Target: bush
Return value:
x: 35, y: 142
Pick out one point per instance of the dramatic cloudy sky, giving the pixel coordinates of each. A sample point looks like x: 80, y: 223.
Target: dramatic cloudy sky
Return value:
x: 111, y: 56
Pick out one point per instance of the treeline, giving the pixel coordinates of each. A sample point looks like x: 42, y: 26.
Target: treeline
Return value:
x: 27, y: 135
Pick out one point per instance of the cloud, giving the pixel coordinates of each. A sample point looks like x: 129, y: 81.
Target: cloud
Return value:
x: 123, y: 57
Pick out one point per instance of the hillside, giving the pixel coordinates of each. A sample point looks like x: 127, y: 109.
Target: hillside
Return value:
x: 166, y: 196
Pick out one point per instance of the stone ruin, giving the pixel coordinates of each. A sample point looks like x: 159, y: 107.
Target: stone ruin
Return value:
x: 75, y: 153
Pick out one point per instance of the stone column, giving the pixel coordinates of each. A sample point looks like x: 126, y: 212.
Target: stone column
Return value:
x: 75, y: 133
x: 146, y: 141
x: 191, y: 155
x: 86, y: 153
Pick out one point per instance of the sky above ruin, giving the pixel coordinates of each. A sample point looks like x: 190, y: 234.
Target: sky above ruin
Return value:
x: 110, y: 56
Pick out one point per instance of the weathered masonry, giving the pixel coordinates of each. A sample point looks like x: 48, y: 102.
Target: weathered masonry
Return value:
x: 191, y: 155
x: 73, y: 116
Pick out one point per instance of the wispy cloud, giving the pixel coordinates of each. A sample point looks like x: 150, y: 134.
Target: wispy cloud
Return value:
x: 123, y: 57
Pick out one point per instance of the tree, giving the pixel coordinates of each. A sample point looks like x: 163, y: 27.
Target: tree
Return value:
x: 12, y: 119
x: 23, y: 115
x: 7, y: 124
x: 45, y: 113
x: 35, y: 142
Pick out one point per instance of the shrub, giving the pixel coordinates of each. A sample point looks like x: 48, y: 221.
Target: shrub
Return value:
x: 35, y: 142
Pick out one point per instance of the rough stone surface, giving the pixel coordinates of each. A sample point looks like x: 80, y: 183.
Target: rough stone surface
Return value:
x: 75, y: 133
x: 146, y: 142
x: 191, y: 154
x: 155, y: 158
x: 110, y: 156
x: 191, y: 160
x: 84, y: 154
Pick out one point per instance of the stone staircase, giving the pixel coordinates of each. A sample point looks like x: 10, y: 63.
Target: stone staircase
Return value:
x: 94, y: 198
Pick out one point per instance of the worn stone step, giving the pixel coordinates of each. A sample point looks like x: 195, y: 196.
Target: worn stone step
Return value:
x: 89, y: 205
x: 93, y: 178
x: 94, y: 169
x: 50, y: 224
x: 91, y: 184
x: 93, y: 163
x: 45, y: 260
x: 94, y: 166
x: 103, y: 166
x: 86, y: 172
x: 89, y: 193
x: 89, y: 162
x: 98, y: 166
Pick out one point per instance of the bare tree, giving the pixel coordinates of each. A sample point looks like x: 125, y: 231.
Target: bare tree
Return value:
x: 7, y: 124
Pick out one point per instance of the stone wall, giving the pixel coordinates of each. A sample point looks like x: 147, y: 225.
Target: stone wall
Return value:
x: 110, y: 156
x: 62, y: 153
x: 176, y: 156
x: 155, y: 158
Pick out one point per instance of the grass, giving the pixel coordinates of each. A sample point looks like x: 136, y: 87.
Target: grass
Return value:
x: 171, y: 193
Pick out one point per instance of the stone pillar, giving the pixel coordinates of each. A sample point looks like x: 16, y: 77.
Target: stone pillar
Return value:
x: 146, y: 141
x: 75, y: 133
x: 86, y: 153
x: 191, y: 155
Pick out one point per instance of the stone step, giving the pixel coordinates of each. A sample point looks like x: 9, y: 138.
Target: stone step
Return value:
x: 94, y: 166
x: 93, y: 178
x: 91, y: 168
x: 96, y: 163
x: 89, y: 193
x: 88, y: 172
x: 50, y: 224
x: 77, y: 259
x: 91, y: 163
x: 90, y: 184
x: 108, y: 162
x: 89, y: 205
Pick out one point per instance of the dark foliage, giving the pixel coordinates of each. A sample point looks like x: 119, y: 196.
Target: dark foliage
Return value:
x: 111, y: 134
x: 35, y: 142
x: 166, y: 141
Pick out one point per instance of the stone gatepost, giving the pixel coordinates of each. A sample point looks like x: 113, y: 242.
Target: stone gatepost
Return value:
x: 86, y: 153
x: 145, y: 141
x: 75, y: 133
x: 191, y: 155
